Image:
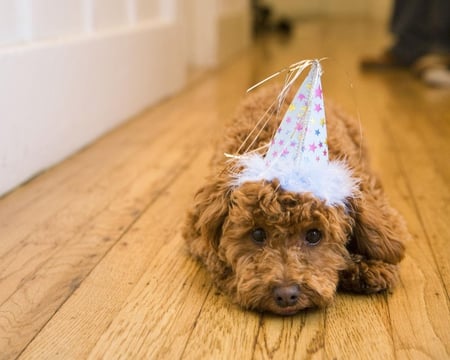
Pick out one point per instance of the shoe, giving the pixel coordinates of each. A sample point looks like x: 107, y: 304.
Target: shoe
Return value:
x: 433, y: 70
x: 384, y: 61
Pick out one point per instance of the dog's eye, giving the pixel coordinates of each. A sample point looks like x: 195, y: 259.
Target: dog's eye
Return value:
x: 313, y: 236
x: 259, y: 236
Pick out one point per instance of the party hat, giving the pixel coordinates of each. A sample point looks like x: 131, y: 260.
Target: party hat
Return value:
x: 298, y: 153
x: 302, y: 134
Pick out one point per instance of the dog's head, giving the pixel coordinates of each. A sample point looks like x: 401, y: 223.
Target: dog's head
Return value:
x: 270, y: 249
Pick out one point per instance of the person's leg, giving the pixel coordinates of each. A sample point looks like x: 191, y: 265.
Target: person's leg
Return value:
x: 408, y: 23
x: 412, y: 25
x: 422, y: 41
x: 433, y: 68
x: 440, y: 24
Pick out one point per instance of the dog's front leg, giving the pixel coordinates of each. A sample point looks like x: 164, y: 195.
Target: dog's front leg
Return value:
x: 375, y: 245
x: 367, y: 275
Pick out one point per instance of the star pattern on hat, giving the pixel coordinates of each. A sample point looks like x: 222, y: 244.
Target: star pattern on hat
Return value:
x: 318, y: 92
x: 309, y: 131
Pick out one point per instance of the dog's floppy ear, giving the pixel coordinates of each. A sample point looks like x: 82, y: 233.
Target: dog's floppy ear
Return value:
x: 205, y: 219
x: 378, y: 229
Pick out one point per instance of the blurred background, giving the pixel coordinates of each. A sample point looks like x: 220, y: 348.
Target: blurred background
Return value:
x: 71, y: 70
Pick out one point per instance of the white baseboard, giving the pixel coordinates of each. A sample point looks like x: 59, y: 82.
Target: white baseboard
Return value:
x: 56, y: 97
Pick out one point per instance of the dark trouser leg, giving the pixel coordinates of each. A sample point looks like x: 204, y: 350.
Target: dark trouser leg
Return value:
x: 420, y: 27
x: 410, y: 25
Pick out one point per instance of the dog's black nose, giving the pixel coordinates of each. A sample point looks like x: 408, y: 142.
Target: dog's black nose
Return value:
x: 286, y: 296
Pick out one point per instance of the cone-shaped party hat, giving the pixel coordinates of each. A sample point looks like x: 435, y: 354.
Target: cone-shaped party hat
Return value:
x: 302, y: 135
x: 298, y: 153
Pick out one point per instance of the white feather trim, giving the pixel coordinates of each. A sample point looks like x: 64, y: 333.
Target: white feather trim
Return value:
x: 332, y: 181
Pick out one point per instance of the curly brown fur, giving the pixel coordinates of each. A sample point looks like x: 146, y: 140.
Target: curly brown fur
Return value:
x: 360, y: 244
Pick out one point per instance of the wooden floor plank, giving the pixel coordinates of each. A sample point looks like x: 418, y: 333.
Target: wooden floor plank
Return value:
x: 61, y: 274
x: 26, y: 209
x: 222, y: 331
x: 93, y: 199
x: 145, y: 244
x: 425, y: 293
x: 366, y: 326
x: 146, y: 321
x: 300, y: 337
x: 426, y: 175
x: 418, y: 308
x: 63, y: 267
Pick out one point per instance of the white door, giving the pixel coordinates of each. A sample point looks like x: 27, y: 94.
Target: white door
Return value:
x: 71, y: 70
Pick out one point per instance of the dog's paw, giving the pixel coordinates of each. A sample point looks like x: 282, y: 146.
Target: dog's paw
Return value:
x: 368, y: 276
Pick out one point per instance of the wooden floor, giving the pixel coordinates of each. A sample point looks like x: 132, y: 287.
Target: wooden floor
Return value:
x: 92, y: 263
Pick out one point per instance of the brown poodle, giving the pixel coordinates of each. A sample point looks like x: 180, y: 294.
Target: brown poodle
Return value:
x: 274, y: 250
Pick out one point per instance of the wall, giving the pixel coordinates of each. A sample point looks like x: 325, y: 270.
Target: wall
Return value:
x: 71, y: 70
x: 233, y: 28
x: 216, y: 30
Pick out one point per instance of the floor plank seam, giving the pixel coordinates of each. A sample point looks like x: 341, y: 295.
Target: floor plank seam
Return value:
x: 175, y: 175
x: 255, y: 342
x: 197, y: 317
x: 401, y: 166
